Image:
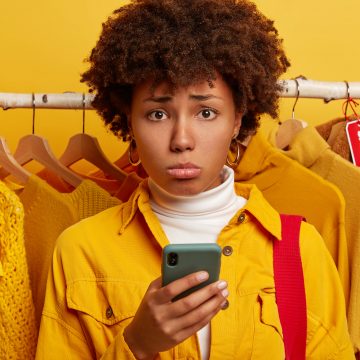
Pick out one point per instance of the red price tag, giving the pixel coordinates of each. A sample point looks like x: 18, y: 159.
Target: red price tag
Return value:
x: 353, y: 135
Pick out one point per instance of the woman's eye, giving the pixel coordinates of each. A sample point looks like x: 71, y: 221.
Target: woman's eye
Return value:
x: 157, y: 115
x: 208, y: 114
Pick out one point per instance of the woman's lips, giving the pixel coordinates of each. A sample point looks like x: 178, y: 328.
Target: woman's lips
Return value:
x: 184, y: 171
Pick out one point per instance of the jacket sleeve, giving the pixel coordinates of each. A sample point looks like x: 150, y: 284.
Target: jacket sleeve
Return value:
x: 327, y: 331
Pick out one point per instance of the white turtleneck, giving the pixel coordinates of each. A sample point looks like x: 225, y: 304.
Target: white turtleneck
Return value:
x: 197, y: 219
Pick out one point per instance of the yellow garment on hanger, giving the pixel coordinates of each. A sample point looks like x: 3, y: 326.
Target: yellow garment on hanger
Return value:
x: 18, y: 334
x: 47, y: 214
x: 292, y: 189
x: 312, y: 151
x: 121, y: 189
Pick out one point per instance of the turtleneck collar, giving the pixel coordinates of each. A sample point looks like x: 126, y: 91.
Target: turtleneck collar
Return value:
x: 207, y: 202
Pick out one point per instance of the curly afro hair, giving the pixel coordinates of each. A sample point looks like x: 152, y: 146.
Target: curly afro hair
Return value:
x: 184, y: 42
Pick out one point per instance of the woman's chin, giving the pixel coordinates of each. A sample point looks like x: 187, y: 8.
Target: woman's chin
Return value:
x: 183, y: 188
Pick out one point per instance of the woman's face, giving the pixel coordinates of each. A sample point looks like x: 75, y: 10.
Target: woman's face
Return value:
x: 183, y: 135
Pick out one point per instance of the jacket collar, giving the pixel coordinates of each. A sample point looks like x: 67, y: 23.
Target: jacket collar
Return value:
x: 256, y: 205
x: 260, y: 209
x: 129, y: 208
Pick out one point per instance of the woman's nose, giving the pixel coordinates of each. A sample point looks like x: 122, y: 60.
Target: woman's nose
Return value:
x: 182, y: 137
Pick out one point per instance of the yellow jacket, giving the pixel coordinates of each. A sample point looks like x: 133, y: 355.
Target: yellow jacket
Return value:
x: 103, y: 265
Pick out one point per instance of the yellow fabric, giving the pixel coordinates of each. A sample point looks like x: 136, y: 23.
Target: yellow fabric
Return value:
x: 312, y: 151
x: 17, y: 321
x: 47, y: 214
x: 292, y: 189
x: 110, y: 259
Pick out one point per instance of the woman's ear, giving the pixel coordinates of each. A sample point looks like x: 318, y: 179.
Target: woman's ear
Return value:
x: 237, y: 124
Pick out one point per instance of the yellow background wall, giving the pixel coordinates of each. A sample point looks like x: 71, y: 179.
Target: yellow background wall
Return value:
x: 43, y: 44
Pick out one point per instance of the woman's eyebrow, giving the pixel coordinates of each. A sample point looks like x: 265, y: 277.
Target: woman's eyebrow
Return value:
x: 159, y: 99
x: 204, y: 97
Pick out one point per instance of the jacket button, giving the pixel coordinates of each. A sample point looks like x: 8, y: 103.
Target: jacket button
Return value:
x: 241, y: 218
x: 226, y: 305
x: 227, y: 250
x: 109, y: 312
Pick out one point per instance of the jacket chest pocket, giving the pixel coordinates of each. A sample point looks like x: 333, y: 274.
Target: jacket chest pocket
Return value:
x: 268, y: 337
x: 104, y: 307
x: 249, y: 329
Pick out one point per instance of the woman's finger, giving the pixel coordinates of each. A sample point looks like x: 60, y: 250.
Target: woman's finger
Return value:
x: 168, y: 292
x: 182, y: 332
x: 199, y: 297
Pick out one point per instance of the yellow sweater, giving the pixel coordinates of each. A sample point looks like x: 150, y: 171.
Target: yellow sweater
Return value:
x: 17, y: 322
x: 312, y: 151
x: 47, y: 214
x: 103, y: 265
x: 292, y: 189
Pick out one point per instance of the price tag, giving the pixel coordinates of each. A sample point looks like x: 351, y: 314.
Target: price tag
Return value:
x: 353, y: 136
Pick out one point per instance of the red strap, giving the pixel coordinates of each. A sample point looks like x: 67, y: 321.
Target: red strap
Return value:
x: 290, y: 289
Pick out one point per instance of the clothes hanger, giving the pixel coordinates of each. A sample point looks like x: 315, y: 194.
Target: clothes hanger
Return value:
x: 289, y: 128
x: 86, y: 147
x: 9, y: 164
x: 123, y: 160
x: 34, y: 147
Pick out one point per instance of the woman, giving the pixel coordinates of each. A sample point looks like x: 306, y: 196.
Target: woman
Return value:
x: 183, y: 81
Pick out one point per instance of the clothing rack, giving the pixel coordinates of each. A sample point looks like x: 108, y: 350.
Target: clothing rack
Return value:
x: 300, y: 87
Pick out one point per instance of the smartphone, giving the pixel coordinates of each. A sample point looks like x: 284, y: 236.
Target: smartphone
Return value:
x: 179, y: 260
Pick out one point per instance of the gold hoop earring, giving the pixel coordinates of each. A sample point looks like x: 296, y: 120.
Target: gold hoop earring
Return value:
x: 234, y: 164
x: 132, y: 147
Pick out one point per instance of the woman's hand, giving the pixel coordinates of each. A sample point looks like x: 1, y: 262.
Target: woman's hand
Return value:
x: 160, y: 324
